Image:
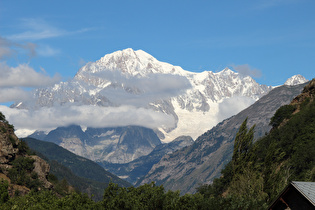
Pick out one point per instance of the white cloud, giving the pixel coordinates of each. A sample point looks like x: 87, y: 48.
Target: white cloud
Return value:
x: 142, y: 90
x: 231, y: 106
x: 37, y: 29
x: 13, y: 94
x: 24, y: 76
x: 86, y: 116
x: 247, y: 70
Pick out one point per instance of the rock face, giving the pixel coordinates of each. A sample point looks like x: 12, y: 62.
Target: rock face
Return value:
x: 42, y: 168
x: 7, y: 140
x: 201, y: 162
x: 12, y: 149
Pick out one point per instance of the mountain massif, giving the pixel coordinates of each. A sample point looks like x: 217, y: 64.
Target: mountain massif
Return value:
x: 133, y: 88
x: 116, y: 111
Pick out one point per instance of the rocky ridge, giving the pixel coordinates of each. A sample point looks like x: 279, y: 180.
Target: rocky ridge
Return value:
x: 12, y: 150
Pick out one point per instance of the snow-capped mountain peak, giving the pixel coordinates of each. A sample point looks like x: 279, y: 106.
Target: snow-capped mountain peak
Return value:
x: 153, y: 93
x: 295, y: 80
x: 130, y: 63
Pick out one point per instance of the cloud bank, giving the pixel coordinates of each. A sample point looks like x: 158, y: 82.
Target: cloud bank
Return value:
x: 49, y: 118
x: 141, y: 91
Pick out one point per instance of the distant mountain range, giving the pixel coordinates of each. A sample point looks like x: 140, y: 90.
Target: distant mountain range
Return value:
x: 133, y: 88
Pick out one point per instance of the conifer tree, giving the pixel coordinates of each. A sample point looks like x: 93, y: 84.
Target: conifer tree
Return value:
x: 243, y: 143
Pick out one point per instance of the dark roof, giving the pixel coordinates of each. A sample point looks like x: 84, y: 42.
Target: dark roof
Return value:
x: 307, y: 189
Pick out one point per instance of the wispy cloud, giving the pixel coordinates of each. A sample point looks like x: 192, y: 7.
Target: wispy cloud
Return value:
x: 247, y: 70
x: 47, y: 51
x: 38, y: 29
x: 9, y: 48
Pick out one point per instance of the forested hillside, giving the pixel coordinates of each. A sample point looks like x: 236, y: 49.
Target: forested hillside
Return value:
x: 259, y: 171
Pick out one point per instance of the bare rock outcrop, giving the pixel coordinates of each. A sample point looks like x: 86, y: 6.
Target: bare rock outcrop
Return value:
x: 41, y: 167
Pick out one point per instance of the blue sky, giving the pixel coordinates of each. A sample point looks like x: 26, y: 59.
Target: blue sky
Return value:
x: 271, y: 40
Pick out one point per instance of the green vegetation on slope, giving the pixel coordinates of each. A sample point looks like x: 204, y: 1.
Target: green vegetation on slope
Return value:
x: 259, y: 172
x: 81, y: 173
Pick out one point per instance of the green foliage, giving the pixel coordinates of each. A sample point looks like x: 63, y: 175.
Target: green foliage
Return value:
x: 282, y: 113
x: 22, y: 173
x: 242, y: 145
x: 4, y: 194
x: 24, y: 149
x: 48, y: 200
x: 2, y: 117
x: 12, y: 141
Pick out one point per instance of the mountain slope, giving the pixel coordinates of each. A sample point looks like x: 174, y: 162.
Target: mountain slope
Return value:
x: 259, y: 171
x: 20, y: 170
x: 80, y: 172
x: 139, y: 167
x: 202, y: 161
x: 78, y: 165
x: 133, y: 88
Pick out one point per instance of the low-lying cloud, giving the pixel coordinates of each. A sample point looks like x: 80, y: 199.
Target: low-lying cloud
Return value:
x: 231, y: 106
x: 48, y: 118
x: 142, y: 90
